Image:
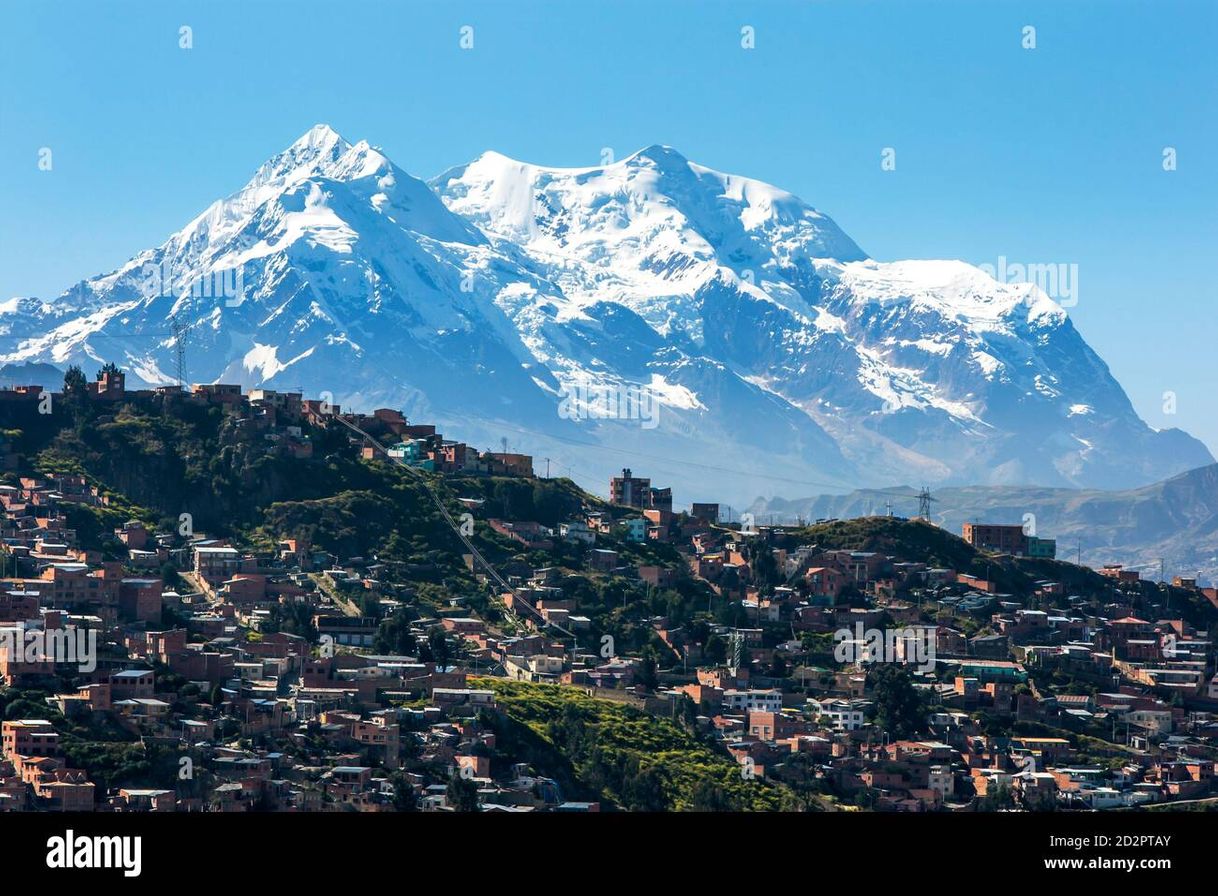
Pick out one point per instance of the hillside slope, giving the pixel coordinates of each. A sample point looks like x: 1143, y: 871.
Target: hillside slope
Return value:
x: 636, y: 760
x: 1175, y: 520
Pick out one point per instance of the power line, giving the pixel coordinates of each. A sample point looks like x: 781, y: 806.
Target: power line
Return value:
x: 687, y: 463
x: 177, y: 332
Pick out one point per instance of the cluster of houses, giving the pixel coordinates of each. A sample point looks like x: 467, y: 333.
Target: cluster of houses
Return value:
x: 354, y: 714
x: 1091, y: 665
x: 245, y: 681
x: 420, y: 446
x: 270, y: 719
x: 1145, y: 686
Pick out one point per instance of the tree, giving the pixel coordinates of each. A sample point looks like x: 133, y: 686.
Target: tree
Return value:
x: 370, y: 605
x: 550, y: 504
x: 899, y: 709
x: 644, y: 789
x: 709, y: 796
x: 462, y: 794
x: 404, y: 799
x: 1001, y: 798
x: 423, y: 648
x: 647, y: 670
x: 169, y: 574
x: 700, y: 632
x: 393, y: 635
x: 108, y: 368
x: 689, y: 713
x: 867, y: 798
x: 74, y: 383
x: 763, y: 564
x: 292, y: 619
x: 441, y: 650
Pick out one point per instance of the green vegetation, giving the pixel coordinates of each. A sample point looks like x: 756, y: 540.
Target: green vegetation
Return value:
x: 627, y: 757
x: 112, y: 754
x: 899, y: 709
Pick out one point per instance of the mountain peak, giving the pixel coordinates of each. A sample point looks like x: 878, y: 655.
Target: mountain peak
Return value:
x: 318, y: 137
x: 317, y: 147
x: 659, y: 154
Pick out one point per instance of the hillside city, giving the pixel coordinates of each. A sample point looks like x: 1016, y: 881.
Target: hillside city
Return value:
x: 217, y: 600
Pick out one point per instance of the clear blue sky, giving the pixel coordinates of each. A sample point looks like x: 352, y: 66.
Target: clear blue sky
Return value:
x: 1045, y: 155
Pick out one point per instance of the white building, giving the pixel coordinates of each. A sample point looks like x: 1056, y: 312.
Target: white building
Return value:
x: 577, y: 531
x: 838, y: 714
x: 753, y: 700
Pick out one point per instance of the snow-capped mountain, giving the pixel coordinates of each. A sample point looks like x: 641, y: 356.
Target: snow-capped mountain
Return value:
x: 709, y: 330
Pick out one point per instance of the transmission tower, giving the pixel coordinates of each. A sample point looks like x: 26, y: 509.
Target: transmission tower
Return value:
x: 924, y: 502
x: 179, y: 343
